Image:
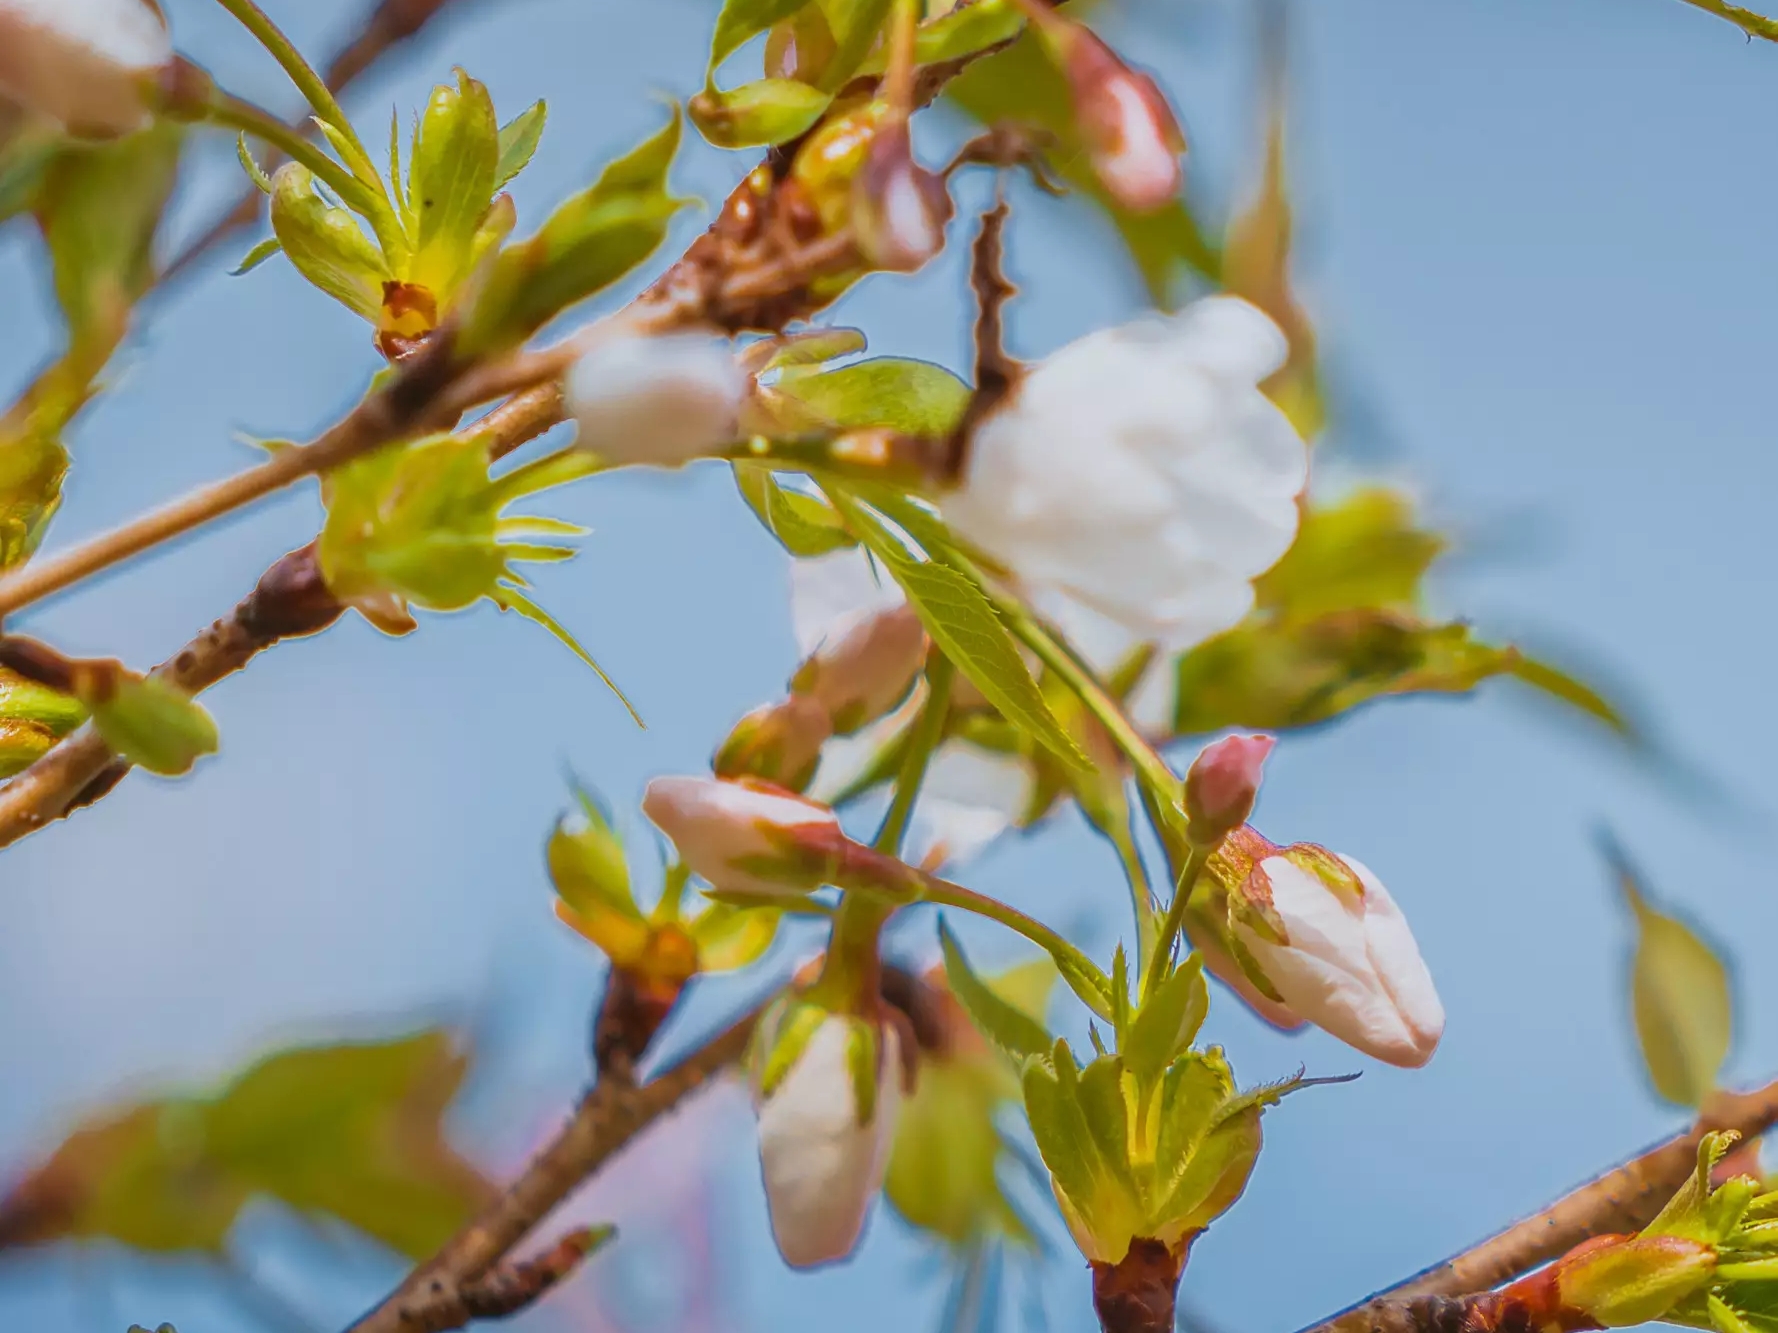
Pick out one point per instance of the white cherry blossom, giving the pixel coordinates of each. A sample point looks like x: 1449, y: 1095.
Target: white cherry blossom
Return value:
x: 662, y: 400
x: 89, y: 65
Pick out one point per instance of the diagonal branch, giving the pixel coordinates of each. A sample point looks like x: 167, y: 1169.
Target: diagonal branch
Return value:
x: 1623, y: 1199
x: 1754, y: 25
x: 506, y: 1289
x: 608, y: 1117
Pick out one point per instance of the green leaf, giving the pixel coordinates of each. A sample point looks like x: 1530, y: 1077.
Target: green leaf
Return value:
x: 588, y: 243
x: 326, y: 244
x: 1168, y: 1021
x: 742, y: 20
x: 806, y: 525
x: 1021, y: 85
x: 855, y: 25
x: 519, y: 138
x: 508, y: 598
x: 1363, y: 552
x: 1010, y: 1028
x: 914, y: 397
x: 24, y: 700
x: 1571, y: 690
x: 1754, y: 25
x: 1679, y: 994
x: 757, y: 114
x: 250, y: 165
x: 587, y: 864
x: 964, y: 625
x: 451, y: 181
x: 153, y: 724
x: 261, y: 252
x: 963, y: 32
x: 24, y: 158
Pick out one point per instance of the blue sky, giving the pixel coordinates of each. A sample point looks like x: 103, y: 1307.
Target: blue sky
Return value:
x: 1536, y: 241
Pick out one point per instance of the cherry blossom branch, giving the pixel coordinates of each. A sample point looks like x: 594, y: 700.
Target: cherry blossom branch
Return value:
x: 1623, y: 1199
x: 386, y: 27
x: 290, y: 600
x: 505, y: 1289
x: 608, y: 1117
x: 1754, y: 25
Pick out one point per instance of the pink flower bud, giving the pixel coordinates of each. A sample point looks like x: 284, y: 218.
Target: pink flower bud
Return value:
x: 860, y: 677
x: 1325, y: 933
x: 1222, y: 785
x: 779, y: 743
x: 899, y: 209
x: 1131, y: 134
x: 90, y: 65
x: 744, y: 836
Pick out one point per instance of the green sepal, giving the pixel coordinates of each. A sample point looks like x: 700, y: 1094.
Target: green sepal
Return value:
x: 261, y: 252
x: 757, y: 114
x: 152, y: 724
x: 1007, y: 1026
x: 784, y: 1040
x: 1167, y: 1022
x: 326, y: 244
x: 587, y: 863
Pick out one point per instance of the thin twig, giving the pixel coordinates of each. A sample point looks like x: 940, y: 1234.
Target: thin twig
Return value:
x: 509, y: 1287
x: 608, y: 1117
x: 1624, y: 1199
x: 387, y: 26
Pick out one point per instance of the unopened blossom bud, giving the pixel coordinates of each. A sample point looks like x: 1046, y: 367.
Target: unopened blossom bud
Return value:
x: 658, y: 400
x: 1325, y: 933
x: 779, y: 743
x: 861, y: 676
x: 1132, y: 136
x: 1616, y: 1281
x: 745, y: 836
x: 1222, y: 785
x: 899, y: 209
x: 828, y: 1090
x: 90, y: 65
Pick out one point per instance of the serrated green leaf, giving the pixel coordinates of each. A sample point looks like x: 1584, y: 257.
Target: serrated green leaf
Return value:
x: 1008, y: 1027
x: 914, y: 397
x: 326, y: 244
x: 757, y: 114
x: 153, y: 725
x: 739, y: 21
x: 451, y: 181
x: 805, y: 525
x: 250, y: 164
x: 1680, y: 998
x: 519, y: 138
x: 1193, y: 1090
x: 588, y: 243
x: 964, y: 625
x: 1168, y: 1021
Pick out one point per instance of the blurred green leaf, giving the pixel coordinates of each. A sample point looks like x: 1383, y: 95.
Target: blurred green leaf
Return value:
x: 967, y: 630
x: 587, y: 864
x: 1364, y: 551
x: 1679, y: 993
x: 1021, y: 84
x: 351, y: 1131
x: 588, y: 243
x: 757, y: 114
x: 519, y: 138
x: 914, y: 397
x: 806, y: 525
x: 153, y: 724
x: 1003, y: 1023
x: 855, y: 25
x: 739, y: 21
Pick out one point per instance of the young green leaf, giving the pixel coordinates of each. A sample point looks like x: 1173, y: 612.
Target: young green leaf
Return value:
x: 326, y: 244
x: 451, y: 181
x: 519, y: 138
x: 587, y: 863
x: 739, y: 21
x: 806, y: 525
x: 855, y: 25
x: 1008, y: 1027
x: 914, y: 397
x: 1365, y: 551
x: 964, y: 625
x: 757, y: 114
x: 1679, y: 995
x: 1168, y: 1021
x: 261, y: 252
x: 153, y: 724
x: 588, y: 243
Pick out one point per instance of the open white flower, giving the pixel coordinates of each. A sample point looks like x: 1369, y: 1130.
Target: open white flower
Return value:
x: 1142, y: 472
x: 662, y: 400
x: 823, y: 1161
x: 1327, y: 935
x: 90, y: 65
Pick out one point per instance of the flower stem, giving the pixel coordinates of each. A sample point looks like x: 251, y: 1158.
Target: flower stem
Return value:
x: 237, y: 114
x: 946, y: 894
x: 1196, y: 858
x: 310, y: 84
x: 1141, y: 894
x: 917, y: 756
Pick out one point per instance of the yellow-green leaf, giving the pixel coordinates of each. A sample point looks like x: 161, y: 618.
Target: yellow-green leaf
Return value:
x: 806, y: 525
x: 326, y: 244
x: 451, y: 181
x: 519, y: 138
x: 739, y: 21
x: 153, y: 724
x: 757, y: 114
x: 1679, y: 998
x: 1004, y: 1024
x: 914, y: 397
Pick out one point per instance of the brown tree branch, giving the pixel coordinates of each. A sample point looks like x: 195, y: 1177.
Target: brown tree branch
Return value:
x: 608, y: 1117
x: 1622, y: 1200
x: 505, y: 1289
x: 387, y: 26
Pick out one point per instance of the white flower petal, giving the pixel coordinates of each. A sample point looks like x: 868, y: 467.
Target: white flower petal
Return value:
x: 661, y: 400
x: 831, y: 595
x: 970, y: 797
x: 83, y: 63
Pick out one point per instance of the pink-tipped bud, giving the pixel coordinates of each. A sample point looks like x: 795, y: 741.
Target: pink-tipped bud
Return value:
x: 899, y: 209
x: 1222, y: 785
x: 1132, y: 137
x: 747, y: 837
x: 865, y: 673
x: 91, y: 65
x: 779, y: 743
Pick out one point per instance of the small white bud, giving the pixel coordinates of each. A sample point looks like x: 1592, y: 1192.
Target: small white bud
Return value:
x: 658, y: 400
x: 90, y: 65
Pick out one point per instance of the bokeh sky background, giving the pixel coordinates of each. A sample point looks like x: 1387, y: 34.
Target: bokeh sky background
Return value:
x: 1536, y: 237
